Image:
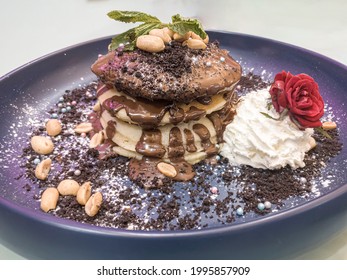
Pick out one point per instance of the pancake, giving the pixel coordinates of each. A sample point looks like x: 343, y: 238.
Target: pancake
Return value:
x: 177, y: 74
x: 152, y: 114
x: 194, y: 141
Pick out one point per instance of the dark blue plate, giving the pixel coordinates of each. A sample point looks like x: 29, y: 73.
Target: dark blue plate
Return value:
x: 284, y: 234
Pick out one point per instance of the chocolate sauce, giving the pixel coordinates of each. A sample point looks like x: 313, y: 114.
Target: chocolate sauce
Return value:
x: 150, y: 144
x: 170, y: 75
x: 218, y: 125
x: 177, y: 115
x: 110, y: 129
x: 194, y: 114
x: 190, y: 146
x: 205, y: 136
x: 102, y: 88
x: 149, y: 114
x: 205, y: 100
x: 146, y: 113
x: 185, y: 171
x: 94, y: 119
x: 145, y: 173
x: 176, y: 148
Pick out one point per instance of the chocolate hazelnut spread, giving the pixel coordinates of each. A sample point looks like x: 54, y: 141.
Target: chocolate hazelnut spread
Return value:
x: 177, y: 74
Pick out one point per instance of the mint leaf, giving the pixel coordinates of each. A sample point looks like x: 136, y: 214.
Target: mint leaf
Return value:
x: 132, y: 16
x: 323, y: 132
x: 144, y: 28
x: 183, y: 25
x: 270, y: 117
x: 123, y: 38
x: 128, y: 38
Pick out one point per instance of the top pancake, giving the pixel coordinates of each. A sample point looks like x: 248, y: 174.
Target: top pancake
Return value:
x: 177, y: 74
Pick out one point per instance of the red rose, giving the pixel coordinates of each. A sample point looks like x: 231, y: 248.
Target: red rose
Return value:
x: 300, y: 96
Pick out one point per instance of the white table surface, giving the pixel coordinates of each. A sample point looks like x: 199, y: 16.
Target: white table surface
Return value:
x: 31, y: 29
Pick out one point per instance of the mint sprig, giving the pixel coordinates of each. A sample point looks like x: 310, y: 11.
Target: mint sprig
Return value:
x: 183, y: 25
x: 128, y: 16
x: 128, y: 38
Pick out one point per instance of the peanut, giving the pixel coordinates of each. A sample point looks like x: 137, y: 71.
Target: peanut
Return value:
x: 96, y: 139
x: 97, y: 107
x: 42, y: 145
x: 49, y: 199
x: 206, y: 40
x: 196, y: 36
x: 150, y: 43
x: 312, y: 143
x: 167, y: 169
x: 93, y: 204
x: 53, y: 127
x: 43, y: 168
x: 168, y: 32
x: 180, y: 38
x: 161, y: 34
x: 84, y: 193
x: 83, y: 128
x: 68, y: 187
x: 196, y: 44
x: 329, y: 125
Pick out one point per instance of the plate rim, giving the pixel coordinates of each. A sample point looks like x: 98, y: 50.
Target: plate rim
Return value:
x: 228, y: 228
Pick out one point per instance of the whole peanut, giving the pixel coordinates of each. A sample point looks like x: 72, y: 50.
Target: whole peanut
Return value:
x: 161, y: 34
x: 53, y: 127
x: 68, y: 187
x: 196, y: 36
x: 49, y: 199
x: 150, y: 43
x: 42, y: 145
x: 168, y: 32
x: 180, y: 38
x: 196, y: 44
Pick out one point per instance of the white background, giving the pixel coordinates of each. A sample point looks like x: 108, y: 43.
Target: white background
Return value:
x: 30, y: 29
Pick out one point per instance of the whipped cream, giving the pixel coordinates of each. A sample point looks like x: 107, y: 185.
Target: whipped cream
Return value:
x: 261, y: 142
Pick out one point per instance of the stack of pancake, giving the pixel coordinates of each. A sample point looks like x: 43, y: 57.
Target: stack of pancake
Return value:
x: 168, y: 107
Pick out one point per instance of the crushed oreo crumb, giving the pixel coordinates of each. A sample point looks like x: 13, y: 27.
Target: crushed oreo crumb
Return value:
x: 175, y: 205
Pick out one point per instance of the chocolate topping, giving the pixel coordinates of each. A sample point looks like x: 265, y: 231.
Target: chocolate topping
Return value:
x: 149, y: 114
x: 150, y: 144
x: 190, y: 141
x: 177, y: 74
x: 205, y: 136
x: 176, y: 148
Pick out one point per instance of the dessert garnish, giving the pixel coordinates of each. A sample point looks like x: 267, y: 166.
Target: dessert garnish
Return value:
x: 179, y: 25
x: 299, y: 97
x: 283, y: 135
